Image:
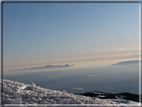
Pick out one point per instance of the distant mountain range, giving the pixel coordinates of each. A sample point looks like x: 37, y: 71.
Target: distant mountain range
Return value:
x: 43, y: 67
x: 127, y: 62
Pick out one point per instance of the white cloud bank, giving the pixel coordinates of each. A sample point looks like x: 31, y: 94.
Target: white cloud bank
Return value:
x: 77, y: 88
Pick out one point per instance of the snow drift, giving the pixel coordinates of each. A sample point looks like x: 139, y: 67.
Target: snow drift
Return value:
x: 16, y: 93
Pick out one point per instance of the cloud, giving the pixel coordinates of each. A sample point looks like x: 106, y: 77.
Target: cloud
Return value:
x: 127, y: 62
x: 43, y: 67
x: 121, y: 49
x: 77, y: 88
x: 108, y: 57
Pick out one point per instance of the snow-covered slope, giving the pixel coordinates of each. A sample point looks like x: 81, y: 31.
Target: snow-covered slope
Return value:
x: 15, y: 93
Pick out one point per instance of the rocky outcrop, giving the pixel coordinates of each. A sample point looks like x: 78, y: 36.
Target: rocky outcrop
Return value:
x: 103, y: 95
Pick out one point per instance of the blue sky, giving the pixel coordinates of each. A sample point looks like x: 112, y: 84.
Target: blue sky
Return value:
x: 83, y: 34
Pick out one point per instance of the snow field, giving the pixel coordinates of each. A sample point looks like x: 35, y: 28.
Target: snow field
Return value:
x: 19, y: 93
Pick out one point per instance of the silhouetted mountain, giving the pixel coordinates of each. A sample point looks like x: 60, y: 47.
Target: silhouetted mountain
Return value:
x: 127, y: 62
x: 43, y: 67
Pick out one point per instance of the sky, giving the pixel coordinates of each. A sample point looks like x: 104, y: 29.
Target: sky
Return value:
x: 82, y: 34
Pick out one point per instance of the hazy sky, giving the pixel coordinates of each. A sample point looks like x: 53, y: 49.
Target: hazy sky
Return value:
x: 83, y: 34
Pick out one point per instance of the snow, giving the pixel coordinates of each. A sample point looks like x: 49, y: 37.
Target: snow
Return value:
x: 16, y: 94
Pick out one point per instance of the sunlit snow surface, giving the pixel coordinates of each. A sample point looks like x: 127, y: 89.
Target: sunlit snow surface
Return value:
x: 15, y: 93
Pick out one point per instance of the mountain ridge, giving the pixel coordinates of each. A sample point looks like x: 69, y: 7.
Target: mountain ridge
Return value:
x: 127, y: 62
